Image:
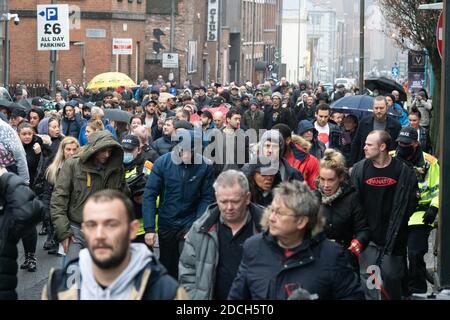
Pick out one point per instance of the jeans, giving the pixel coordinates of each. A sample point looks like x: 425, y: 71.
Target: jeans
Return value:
x: 75, y: 246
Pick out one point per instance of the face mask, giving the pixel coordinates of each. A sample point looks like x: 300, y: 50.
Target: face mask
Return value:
x: 127, y: 158
x: 405, y: 152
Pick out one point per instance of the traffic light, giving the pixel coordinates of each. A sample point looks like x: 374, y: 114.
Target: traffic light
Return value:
x: 157, y: 45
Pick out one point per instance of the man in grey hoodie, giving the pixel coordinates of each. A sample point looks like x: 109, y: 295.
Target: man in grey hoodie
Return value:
x: 111, y: 268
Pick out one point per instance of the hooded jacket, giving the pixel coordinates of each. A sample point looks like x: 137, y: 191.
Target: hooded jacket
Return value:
x: 257, y: 194
x: 79, y: 178
x: 200, y: 256
x: 303, y: 161
x: 143, y: 279
x: 19, y: 210
x: 11, y: 144
x: 317, y: 147
x: 288, y: 173
x: 318, y: 265
x: 185, y: 191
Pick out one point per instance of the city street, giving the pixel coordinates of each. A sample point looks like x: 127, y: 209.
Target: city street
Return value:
x: 30, y: 284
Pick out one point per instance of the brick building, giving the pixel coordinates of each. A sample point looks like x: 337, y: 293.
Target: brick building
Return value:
x: 148, y: 22
x: 189, y: 44
x: 250, y: 37
x: 93, y: 26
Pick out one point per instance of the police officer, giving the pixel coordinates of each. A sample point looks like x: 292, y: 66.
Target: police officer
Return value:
x: 421, y: 222
x: 136, y: 171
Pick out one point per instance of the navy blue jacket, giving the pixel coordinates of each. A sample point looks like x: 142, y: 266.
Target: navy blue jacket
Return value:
x: 73, y: 127
x: 164, y: 145
x: 318, y: 265
x: 185, y: 191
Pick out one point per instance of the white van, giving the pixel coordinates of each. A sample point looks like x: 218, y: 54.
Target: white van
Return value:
x: 347, y: 82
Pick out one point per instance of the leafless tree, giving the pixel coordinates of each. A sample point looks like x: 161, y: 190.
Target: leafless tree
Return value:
x: 416, y: 29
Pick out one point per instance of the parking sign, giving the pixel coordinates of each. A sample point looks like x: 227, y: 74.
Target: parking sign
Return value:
x: 53, y: 27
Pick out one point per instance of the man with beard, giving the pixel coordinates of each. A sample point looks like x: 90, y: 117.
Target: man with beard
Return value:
x: 165, y: 144
x: 379, y: 120
x: 111, y: 268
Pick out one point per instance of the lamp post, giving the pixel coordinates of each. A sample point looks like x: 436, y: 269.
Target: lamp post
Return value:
x: 82, y: 44
x: 361, y: 44
x: 6, y: 17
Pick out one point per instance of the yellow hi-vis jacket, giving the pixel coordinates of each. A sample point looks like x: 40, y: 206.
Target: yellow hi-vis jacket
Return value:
x: 147, y: 169
x: 428, y: 178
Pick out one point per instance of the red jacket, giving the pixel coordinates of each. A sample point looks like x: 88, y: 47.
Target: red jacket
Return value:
x: 306, y: 163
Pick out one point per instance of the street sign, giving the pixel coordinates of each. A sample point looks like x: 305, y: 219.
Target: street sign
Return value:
x: 122, y: 46
x: 439, y: 32
x: 395, y: 72
x: 170, y: 60
x: 53, y: 27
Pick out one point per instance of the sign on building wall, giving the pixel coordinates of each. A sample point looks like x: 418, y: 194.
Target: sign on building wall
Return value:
x: 213, y: 20
x: 53, y: 27
x: 170, y: 60
x: 122, y: 46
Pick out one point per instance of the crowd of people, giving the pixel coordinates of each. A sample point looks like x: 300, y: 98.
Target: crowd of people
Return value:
x: 218, y: 192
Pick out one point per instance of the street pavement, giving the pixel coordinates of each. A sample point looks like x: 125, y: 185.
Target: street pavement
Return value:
x: 30, y: 284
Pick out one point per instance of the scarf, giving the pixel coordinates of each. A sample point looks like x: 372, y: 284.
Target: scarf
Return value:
x: 327, y: 200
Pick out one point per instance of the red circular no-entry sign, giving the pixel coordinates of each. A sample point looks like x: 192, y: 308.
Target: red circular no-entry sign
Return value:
x: 439, y: 34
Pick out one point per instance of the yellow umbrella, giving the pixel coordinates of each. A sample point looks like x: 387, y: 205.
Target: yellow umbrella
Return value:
x: 110, y: 80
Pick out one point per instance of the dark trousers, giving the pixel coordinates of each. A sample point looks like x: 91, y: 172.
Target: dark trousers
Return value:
x: 171, y: 244
x: 29, y: 240
x: 386, y: 283
x: 417, y: 248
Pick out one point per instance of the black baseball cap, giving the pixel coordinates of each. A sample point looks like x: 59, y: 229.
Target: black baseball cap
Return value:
x: 408, y: 135
x: 37, y: 101
x: 130, y: 142
x: 17, y: 112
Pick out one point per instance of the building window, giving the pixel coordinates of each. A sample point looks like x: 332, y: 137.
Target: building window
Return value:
x: 161, y: 6
x: 192, y: 57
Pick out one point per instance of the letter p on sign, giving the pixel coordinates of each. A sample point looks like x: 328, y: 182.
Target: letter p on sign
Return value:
x: 51, y: 14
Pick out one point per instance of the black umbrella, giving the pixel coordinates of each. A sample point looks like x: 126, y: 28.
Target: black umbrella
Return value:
x: 26, y: 103
x: 384, y: 86
x: 11, y: 105
x: 117, y: 115
x: 359, y: 106
x: 5, y: 103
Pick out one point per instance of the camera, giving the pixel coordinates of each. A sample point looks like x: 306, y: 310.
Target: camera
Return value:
x: 16, y: 20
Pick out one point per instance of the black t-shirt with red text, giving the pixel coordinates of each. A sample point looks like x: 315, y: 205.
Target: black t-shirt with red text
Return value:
x: 378, y: 196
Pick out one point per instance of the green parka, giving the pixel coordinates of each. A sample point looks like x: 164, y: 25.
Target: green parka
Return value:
x: 79, y: 178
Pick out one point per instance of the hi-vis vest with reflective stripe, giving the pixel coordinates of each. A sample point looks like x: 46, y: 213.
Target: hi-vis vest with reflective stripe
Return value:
x: 146, y: 170
x: 428, y: 189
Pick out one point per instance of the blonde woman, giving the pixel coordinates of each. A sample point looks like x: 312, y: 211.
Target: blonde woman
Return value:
x: 68, y: 147
x: 340, y: 206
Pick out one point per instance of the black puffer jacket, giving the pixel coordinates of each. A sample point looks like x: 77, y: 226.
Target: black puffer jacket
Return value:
x: 19, y: 210
x: 344, y: 219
